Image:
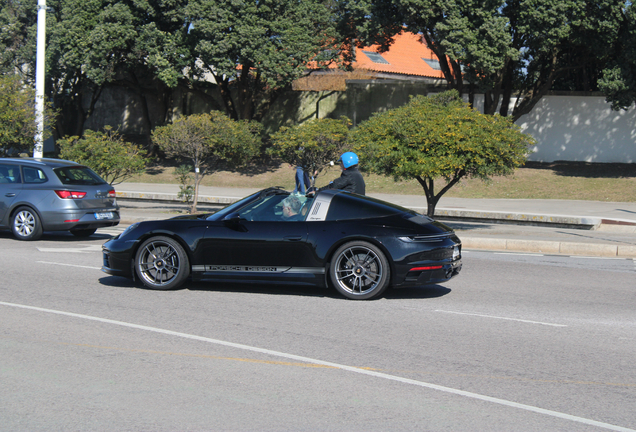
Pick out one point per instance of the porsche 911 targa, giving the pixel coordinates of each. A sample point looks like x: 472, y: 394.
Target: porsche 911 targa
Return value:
x: 357, y: 244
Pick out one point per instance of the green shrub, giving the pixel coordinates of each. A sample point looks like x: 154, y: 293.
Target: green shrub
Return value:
x: 311, y: 145
x: 106, y: 153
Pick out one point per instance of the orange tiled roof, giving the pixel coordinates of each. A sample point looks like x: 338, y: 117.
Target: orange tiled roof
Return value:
x: 405, y: 56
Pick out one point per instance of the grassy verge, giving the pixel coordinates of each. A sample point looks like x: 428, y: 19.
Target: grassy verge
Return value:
x: 558, y: 180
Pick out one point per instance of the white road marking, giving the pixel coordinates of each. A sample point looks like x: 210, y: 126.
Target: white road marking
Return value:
x: 503, y: 318
x: 598, y: 257
x: 69, y: 265
x: 337, y: 366
x: 84, y: 249
x: 518, y: 253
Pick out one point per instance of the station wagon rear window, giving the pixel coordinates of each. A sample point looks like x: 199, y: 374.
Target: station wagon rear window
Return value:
x: 78, y: 176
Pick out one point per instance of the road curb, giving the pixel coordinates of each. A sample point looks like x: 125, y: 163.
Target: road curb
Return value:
x: 548, y: 247
x: 171, y: 198
x: 524, y: 218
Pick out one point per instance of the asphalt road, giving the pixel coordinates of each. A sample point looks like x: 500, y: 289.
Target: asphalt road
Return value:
x: 516, y: 342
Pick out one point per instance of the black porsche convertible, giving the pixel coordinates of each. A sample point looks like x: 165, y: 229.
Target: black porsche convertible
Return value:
x: 358, y: 244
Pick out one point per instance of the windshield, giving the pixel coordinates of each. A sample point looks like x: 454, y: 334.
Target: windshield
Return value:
x: 78, y: 175
x: 233, y: 207
x: 268, y: 205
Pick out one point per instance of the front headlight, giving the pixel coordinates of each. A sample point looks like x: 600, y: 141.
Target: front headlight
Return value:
x: 423, y: 238
x: 129, y: 229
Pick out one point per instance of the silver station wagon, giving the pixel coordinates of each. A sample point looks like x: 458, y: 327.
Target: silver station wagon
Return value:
x: 39, y: 195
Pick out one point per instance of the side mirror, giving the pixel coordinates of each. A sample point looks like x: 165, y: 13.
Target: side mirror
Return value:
x: 232, y: 217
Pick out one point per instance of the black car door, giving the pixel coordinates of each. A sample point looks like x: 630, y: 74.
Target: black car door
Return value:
x: 257, y: 244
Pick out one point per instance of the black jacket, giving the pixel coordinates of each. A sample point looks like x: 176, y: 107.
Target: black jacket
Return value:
x: 350, y: 180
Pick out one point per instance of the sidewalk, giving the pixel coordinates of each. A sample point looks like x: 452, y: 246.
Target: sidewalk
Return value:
x: 582, y: 228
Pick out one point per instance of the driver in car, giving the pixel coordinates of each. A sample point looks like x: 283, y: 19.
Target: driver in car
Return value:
x: 291, y: 209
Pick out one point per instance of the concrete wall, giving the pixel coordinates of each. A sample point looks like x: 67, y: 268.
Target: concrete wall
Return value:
x: 580, y: 128
x: 361, y: 99
x: 569, y: 128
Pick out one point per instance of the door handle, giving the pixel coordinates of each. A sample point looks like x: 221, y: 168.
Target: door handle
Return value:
x: 9, y: 195
x: 293, y: 238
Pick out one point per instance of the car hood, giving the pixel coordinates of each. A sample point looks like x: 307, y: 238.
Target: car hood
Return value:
x: 192, y: 216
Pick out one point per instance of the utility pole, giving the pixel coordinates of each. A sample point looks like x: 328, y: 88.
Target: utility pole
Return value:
x: 40, y: 60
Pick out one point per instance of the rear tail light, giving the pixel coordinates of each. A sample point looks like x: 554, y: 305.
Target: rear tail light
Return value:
x: 426, y: 268
x: 112, y: 194
x: 64, y: 194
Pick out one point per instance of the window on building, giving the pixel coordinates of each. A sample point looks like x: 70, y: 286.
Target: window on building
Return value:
x: 434, y: 63
x: 375, y: 57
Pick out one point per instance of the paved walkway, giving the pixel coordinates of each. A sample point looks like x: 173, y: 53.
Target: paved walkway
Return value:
x: 583, y: 228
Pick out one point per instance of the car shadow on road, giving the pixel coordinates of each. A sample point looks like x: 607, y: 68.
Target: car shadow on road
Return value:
x: 120, y: 282
x: 263, y: 288
x: 251, y: 288
x: 423, y: 292
x: 61, y: 236
x: 66, y: 236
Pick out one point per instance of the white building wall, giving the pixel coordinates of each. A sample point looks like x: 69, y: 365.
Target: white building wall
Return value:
x: 580, y: 128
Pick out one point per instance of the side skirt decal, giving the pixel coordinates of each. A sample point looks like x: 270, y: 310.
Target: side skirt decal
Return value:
x: 256, y: 269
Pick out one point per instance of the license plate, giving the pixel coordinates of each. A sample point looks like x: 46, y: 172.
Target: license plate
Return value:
x: 105, y: 215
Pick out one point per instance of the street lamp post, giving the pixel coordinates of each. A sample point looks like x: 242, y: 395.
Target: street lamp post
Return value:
x: 38, y: 150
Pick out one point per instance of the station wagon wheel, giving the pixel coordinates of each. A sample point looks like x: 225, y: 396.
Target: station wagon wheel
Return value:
x: 25, y: 224
x: 161, y: 263
x: 359, y: 270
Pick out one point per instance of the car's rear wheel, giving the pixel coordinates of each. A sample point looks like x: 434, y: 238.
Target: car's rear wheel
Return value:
x: 25, y: 224
x: 161, y: 263
x: 359, y: 270
x: 83, y: 232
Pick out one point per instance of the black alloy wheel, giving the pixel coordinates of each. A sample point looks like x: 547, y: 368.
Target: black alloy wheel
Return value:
x: 161, y: 263
x: 359, y: 270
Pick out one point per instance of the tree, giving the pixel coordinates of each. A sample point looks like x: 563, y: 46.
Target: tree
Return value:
x: 106, y: 153
x: 17, y: 39
x: 206, y: 140
x: 259, y: 47
x: 252, y: 49
x: 439, y: 136
x: 17, y: 116
x: 136, y: 45
x: 311, y: 145
x: 619, y: 78
x: 507, y: 48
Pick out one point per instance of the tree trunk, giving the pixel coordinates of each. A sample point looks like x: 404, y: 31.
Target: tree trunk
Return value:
x: 195, y: 197
x: 430, y: 209
x: 429, y: 190
x: 428, y: 185
x: 507, y: 88
x: 226, y: 95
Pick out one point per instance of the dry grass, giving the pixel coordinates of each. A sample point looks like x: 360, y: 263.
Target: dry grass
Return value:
x: 559, y: 180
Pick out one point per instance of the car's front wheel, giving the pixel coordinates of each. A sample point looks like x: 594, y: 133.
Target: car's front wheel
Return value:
x: 25, y: 224
x: 359, y: 270
x: 161, y: 263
